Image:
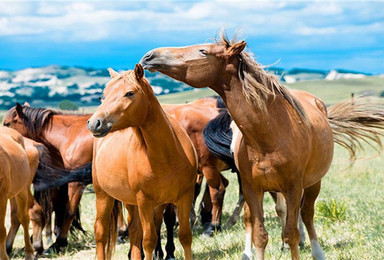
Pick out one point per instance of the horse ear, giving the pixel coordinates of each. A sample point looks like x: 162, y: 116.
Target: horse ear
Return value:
x: 19, y: 110
x: 139, y: 72
x: 113, y: 73
x: 236, y: 48
x: 26, y: 104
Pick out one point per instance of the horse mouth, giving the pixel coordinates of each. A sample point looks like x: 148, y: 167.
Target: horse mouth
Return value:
x: 101, y: 134
x: 149, y: 67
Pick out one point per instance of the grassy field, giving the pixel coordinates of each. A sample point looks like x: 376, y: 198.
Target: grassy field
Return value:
x: 350, y: 208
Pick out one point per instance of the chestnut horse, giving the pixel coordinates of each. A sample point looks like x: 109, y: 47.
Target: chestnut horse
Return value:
x: 66, y: 136
x: 16, y: 175
x: 287, y: 138
x: 144, y: 159
x: 194, y: 117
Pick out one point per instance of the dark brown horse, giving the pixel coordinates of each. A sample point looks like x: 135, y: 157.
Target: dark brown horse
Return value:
x: 142, y: 155
x: 62, y: 134
x: 287, y: 137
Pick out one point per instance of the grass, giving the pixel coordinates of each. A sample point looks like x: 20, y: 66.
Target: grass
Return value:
x: 348, y: 216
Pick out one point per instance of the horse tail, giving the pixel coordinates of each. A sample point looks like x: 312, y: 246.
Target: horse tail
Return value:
x: 218, y: 136
x: 356, y: 122
x: 49, y: 177
x: 111, y: 241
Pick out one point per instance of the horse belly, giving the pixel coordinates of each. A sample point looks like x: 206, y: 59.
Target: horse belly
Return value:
x: 115, y: 183
x: 111, y: 172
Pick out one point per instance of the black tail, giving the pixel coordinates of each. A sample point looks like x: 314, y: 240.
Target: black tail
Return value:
x: 49, y: 177
x: 218, y: 136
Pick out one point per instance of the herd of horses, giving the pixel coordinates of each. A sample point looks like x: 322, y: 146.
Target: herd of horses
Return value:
x: 152, y: 157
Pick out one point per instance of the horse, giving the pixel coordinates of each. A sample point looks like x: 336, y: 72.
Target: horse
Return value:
x: 141, y: 157
x: 38, y: 209
x: 16, y: 175
x: 194, y: 117
x: 65, y: 136
x: 287, y: 138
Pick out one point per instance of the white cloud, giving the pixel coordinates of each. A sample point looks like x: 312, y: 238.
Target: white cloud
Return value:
x: 93, y: 21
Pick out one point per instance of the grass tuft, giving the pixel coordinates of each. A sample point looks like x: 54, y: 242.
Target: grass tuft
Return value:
x: 332, y: 210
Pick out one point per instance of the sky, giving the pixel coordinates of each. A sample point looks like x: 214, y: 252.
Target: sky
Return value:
x: 100, y: 34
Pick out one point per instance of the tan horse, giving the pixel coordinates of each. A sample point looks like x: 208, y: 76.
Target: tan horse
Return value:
x: 15, y: 180
x: 287, y: 143
x: 145, y: 159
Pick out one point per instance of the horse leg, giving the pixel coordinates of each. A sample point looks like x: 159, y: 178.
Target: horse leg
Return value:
x: 302, y: 231
x: 146, y: 213
x: 3, y: 231
x: 217, y: 192
x: 104, y: 206
x: 185, y: 234
x: 159, y: 254
x: 123, y: 228
x: 135, y: 232
x: 23, y: 205
x: 170, y: 221
x: 307, y: 213
x: 254, y: 199
x: 239, y: 206
x: 281, y: 210
x: 75, y: 191
x: 247, y: 253
x: 37, y: 220
x: 193, y: 216
x: 206, y: 209
x: 48, y: 227
x: 291, y: 231
x: 15, y: 224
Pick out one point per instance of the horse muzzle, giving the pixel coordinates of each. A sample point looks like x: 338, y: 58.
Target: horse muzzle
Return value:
x: 98, y: 128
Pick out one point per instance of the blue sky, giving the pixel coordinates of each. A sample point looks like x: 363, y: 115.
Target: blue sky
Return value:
x: 305, y: 34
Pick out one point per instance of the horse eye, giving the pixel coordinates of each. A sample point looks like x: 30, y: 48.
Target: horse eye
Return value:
x: 7, y: 124
x: 129, y: 94
x: 204, y: 52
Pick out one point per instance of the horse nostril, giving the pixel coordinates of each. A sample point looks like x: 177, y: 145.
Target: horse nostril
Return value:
x: 98, y: 124
x: 149, y: 56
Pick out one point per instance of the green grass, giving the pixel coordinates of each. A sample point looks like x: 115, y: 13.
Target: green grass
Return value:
x: 350, y: 209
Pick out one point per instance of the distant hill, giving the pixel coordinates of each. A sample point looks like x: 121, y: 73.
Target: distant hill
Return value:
x: 47, y: 86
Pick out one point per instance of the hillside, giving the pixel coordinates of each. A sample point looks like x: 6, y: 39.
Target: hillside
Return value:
x: 47, y: 86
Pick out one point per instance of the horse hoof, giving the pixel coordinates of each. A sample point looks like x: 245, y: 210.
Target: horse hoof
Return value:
x: 246, y: 257
x: 285, y: 246
x: 210, y: 231
x: 9, y: 250
x: 120, y: 240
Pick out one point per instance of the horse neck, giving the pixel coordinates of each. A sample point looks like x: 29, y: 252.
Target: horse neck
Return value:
x: 57, y: 132
x: 157, y: 131
x: 260, y: 129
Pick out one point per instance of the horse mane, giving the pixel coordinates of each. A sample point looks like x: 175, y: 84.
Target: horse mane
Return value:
x: 258, y: 85
x: 37, y: 119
